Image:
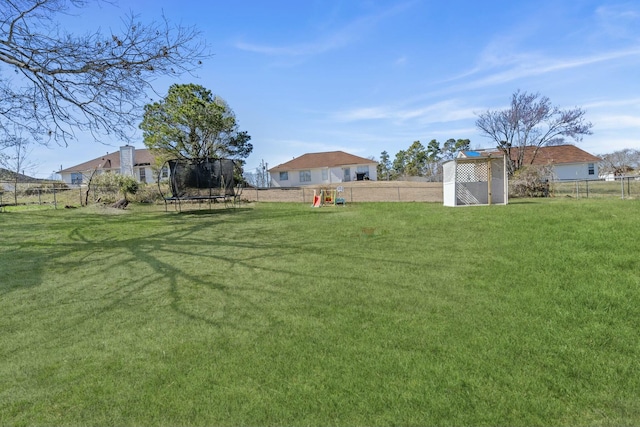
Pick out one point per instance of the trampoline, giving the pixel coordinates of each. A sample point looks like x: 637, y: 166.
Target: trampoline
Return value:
x: 208, y: 180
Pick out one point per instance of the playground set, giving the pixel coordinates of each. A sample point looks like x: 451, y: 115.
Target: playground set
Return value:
x: 328, y: 197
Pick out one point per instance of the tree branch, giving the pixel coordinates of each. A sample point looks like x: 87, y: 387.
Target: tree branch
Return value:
x: 93, y: 82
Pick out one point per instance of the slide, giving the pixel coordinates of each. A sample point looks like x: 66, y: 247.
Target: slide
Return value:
x: 316, y: 201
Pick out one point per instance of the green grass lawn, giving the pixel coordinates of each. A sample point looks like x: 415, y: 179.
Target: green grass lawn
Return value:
x: 280, y: 314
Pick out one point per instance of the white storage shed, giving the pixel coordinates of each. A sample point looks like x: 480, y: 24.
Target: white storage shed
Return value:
x: 476, y: 178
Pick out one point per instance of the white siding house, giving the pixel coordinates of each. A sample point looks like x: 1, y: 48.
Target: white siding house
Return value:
x: 323, y: 169
x: 127, y: 161
x: 576, y: 171
x: 566, y: 161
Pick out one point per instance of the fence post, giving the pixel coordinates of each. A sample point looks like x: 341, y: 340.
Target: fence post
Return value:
x: 629, y: 186
x: 398, y: 193
x: 55, y: 201
x: 622, y: 186
x: 587, y: 183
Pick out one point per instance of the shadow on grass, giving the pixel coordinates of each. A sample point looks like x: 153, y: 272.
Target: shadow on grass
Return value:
x: 209, y: 268
x: 177, y: 253
x: 213, y: 212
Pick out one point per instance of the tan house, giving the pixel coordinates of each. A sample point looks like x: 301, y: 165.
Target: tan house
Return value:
x: 323, y: 169
x: 127, y: 161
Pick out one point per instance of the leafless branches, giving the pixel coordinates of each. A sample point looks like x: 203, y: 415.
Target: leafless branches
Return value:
x: 621, y: 162
x: 60, y: 83
x: 531, y: 121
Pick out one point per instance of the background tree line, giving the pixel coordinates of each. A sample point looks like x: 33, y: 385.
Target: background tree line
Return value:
x: 623, y: 162
x: 420, y: 161
x: 530, y: 121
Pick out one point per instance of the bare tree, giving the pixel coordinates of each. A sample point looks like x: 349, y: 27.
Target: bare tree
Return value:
x: 59, y: 83
x: 531, y: 121
x: 621, y: 162
x: 251, y: 178
x: 15, y: 159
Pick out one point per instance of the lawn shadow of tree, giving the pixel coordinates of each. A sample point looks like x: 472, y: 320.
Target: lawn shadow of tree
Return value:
x: 178, y: 258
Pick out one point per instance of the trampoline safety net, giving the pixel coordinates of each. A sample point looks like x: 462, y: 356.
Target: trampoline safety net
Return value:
x: 209, y: 178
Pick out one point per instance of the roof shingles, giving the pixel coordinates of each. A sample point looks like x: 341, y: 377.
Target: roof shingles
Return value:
x: 558, y: 154
x: 112, y: 161
x: 322, y: 160
x: 553, y: 155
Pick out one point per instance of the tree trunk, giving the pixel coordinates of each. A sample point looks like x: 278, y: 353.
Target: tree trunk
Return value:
x: 120, y: 204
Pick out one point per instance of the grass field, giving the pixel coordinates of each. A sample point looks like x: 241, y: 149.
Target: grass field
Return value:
x: 280, y: 314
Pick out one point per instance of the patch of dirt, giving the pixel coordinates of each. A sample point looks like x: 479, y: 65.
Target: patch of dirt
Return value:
x: 105, y: 210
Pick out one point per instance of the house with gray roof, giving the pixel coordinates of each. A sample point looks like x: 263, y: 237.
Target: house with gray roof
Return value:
x: 323, y: 169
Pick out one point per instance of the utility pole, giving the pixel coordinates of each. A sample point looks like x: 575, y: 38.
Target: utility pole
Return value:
x: 263, y: 172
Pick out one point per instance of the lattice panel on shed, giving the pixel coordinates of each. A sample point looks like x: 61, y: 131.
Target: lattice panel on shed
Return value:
x: 472, y: 172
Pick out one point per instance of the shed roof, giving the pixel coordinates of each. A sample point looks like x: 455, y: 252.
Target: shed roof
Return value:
x: 471, y: 153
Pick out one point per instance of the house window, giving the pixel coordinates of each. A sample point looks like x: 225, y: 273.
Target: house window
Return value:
x: 164, y: 172
x: 305, y: 176
x: 284, y: 176
x: 143, y: 175
x: 592, y: 169
x: 325, y: 174
x: 363, y: 171
x: 76, y: 178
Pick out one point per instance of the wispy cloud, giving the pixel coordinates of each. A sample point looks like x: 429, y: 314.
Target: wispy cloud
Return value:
x: 634, y: 102
x: 331, y: 42
x: 610, y: 33
x: 619, y: 21
x: 305, y: 146
x: 348, y: 34
x: 617, y: 121
x: 444, y: 111
x: 401, y: 61
x: 600, y: 143
x: 298, y: 147
x: 535, y: 65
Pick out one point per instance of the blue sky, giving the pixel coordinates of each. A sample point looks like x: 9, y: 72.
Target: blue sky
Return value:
x: 366, y: 76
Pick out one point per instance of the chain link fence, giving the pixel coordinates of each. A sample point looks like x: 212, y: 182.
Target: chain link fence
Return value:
x: 624, y: 187
x: 58, y: 195
x: 54, y: 194
x: 372, y: 191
